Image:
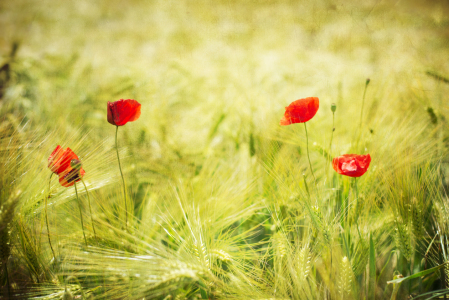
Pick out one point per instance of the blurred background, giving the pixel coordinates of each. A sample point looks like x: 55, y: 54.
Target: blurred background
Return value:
x: 213, y: 78
x: 211, y: 74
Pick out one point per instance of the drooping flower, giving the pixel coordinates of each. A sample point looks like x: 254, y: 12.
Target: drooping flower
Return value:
x: 352, y: 165
x: 59, y: 160
x: 300, y: 111
x: 123, y: 111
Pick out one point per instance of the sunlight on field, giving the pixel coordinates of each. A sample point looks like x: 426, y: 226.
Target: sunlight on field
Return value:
x: 221, y: 200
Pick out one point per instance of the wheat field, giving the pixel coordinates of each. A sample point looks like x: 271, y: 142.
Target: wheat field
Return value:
x: 217, y: 200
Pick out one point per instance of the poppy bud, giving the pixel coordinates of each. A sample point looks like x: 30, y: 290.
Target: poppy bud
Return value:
x: 367, y: 81
x: 333, y: 107
x: 76, y: 164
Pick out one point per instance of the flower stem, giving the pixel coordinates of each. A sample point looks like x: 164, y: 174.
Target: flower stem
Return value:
x: 356, y: 199
x: 363, y: 101
x: 357, y: 207
x: 361, y: 113
x: 329, y: 153
x: 46, y: 217
x: 332, y: 136
x: 7, y: 277
x: 90, y: 208
x: 81, y: 213
x: 123, y: 179
x: 308, y: 156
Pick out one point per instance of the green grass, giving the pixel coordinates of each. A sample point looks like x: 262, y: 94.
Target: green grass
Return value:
x: 222, y: 203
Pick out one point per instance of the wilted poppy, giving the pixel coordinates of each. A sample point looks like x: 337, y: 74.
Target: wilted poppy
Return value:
x: 300, y: 111
x: 352, y: 165
x: 59, y: 160
x: 123, y: 111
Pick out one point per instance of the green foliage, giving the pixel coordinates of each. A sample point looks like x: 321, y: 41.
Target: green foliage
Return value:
x: 220, y: 198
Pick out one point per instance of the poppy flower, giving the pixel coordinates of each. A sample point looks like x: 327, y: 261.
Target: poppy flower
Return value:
x: 123, y: 111
x: 300, y: 111
x: 59, y: 160
x: 352, y: 165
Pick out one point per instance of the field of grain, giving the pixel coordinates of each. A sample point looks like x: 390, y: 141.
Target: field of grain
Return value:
x: 217, y: 200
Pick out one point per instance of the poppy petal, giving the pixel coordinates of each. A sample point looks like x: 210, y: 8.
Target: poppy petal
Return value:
x: 64, y: 162
x: 285, y: 121
x: 53, y: 159
x: 68, y: 178
x: 110, y: 113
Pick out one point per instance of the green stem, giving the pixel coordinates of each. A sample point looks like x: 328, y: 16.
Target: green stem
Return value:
x: 46, y: 216
x: 356, y: 199
x: 329, y: 153
x: 410, y: 282
x: 361, y: 113
x: 7, y: 278
x: 357, y: 206
x: 363, y: 102
x: 90, y: 208
x: 332, y: 135
x: 81, y: 212
x: 123, y: 179
x: 308, y: 156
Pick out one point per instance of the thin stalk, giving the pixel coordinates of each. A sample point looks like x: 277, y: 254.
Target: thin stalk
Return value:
x: 46, y: 216
x: 411, y: 273
x: 90, y: 208
x: 123, y: 179
x: 357, y: 206
x: 363, y: 101
x: 7, y: 278
x: 330, y: 274
x: 330, y: 144
x: 356, y: 199
x: 332, y: 134
x: 361, y: 112
x: 81, y: 213
x: 308, y: 156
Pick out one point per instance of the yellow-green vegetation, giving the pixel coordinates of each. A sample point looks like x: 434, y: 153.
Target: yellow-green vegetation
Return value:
x: 221, y: 200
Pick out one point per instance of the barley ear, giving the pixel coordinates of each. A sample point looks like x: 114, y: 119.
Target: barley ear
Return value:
x: 345, y: 280
x: 403, y: 242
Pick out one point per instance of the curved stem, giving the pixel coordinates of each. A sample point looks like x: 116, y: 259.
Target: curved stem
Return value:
x: 81, y: 213
x: 46, y: 217
x: 308, y: 156
x: 90, y: 208
x: 123, y: 179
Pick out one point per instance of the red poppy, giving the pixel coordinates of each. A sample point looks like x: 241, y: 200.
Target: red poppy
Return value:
x: 300, y: 111
x: 123, y: 111
x: 352, y: 165
x: 59, y: 163
x: 59, y: 160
